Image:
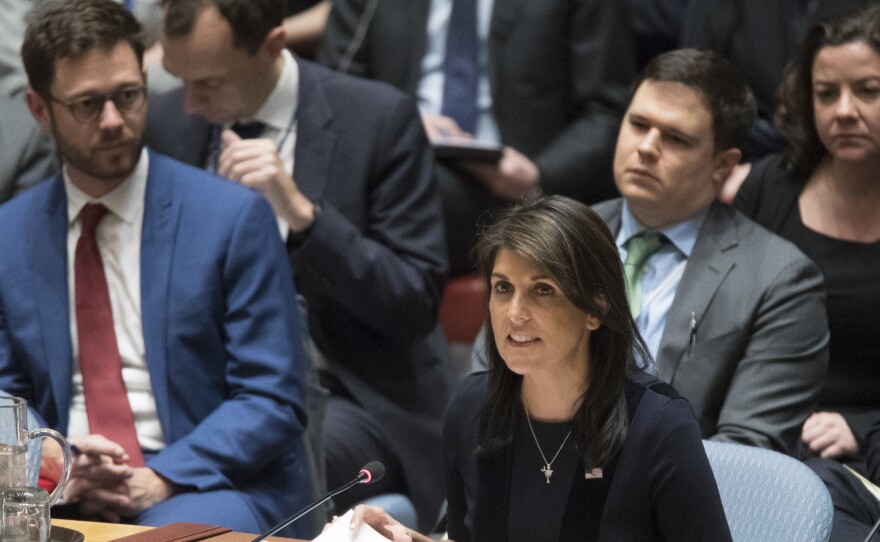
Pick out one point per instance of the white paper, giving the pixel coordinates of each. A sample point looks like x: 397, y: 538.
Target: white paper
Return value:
x: 339, y: 532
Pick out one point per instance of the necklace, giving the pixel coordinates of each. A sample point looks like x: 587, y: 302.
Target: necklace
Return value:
x: 547, y: 469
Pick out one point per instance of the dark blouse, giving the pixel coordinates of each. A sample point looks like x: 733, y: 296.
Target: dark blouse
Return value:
x: 769, y: 195
x: 659, y: 487
x: 530, y: 494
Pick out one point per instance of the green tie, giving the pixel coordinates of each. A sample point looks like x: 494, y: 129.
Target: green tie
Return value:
x: 638, y: 249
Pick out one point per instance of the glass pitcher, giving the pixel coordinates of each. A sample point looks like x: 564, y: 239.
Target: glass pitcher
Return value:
x: 14, y: 438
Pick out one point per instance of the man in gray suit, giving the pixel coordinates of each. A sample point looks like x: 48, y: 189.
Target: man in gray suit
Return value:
x: 733, y: 315
x: 26, y: 154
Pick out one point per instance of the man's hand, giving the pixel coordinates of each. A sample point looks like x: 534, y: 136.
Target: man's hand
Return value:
x: 100, y: 463
x: 828, y: 434
x: 256, y: 163
x: 439, y: 127
x: 143, y: 489
x: 511, y: 178
x: 98, y: 473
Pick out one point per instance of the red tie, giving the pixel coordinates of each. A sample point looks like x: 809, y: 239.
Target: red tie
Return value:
x: 107, y: 403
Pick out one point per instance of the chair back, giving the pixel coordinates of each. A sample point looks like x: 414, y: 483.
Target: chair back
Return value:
x: 769, y: 496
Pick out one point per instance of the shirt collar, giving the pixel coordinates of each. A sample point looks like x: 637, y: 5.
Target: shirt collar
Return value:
x: 278, y: 109
x: 683, y: 235
x: 123, y: 201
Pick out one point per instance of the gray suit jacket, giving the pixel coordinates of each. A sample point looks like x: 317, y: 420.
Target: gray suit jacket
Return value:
x: 755, y: 370
x: 26, y: 154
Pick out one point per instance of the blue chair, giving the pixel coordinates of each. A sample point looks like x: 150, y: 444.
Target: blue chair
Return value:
x: 769, y: 496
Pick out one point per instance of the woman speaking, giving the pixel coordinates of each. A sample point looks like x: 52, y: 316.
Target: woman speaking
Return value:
x: 564, y: 438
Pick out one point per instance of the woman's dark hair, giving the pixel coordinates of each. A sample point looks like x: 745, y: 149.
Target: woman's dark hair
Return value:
x: 569, y: 242
x: 70, y: 28
x: 795, y: 115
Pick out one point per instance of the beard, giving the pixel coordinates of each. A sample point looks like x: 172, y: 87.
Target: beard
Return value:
x: 111, y: 165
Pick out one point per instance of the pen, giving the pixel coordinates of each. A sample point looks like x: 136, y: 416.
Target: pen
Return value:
x: 693, y: 337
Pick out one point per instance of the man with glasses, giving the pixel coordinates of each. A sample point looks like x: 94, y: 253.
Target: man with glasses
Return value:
x: 147, y: 309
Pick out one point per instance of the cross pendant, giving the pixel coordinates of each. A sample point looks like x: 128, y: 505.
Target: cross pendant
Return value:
x: 548, y: 472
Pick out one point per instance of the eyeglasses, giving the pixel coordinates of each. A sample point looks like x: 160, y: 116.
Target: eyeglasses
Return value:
x: 89, y: 108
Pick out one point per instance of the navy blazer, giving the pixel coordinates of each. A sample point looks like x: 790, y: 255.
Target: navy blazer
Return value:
x: 659, y: 487
x: 372, y: 268
x: 220, y: 328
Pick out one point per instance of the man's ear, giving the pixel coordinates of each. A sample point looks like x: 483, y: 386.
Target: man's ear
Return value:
x: 275, y: 42
x: 725, y: 161
x: 39, y: 109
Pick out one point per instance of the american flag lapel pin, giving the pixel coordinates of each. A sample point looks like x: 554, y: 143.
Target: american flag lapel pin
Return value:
x: 594, y: 474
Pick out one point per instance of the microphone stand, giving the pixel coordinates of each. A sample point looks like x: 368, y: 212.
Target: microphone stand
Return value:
x: 361, y: 477
x: 874, y: 530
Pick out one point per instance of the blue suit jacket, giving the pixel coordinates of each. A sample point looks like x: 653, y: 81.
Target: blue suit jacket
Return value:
x: 221, y: 332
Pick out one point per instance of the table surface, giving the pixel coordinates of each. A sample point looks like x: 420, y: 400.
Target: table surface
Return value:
x: 105, y: 532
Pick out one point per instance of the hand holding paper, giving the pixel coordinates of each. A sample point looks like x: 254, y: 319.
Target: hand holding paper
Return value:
x: 340, y: 530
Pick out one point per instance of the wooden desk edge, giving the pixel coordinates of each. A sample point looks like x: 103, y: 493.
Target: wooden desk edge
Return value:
x: 96, y: 531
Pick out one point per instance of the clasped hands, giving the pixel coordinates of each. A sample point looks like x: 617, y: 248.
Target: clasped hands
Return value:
x: 512, y: 177
x: 102, y: 482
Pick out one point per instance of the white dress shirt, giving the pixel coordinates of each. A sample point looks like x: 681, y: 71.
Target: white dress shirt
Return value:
x: 430, y: 88
x: 119, y: 242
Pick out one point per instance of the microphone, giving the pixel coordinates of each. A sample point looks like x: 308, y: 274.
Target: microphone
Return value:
x: 369, y: 473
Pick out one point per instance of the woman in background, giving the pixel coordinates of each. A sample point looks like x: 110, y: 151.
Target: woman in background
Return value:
x: 823, y: 194
x: 563, y: 438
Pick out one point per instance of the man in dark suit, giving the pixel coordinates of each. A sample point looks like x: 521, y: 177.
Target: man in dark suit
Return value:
x: 345, y: 165
x: 552, y: 79
x: 147, y: 306
x: 733, y: 315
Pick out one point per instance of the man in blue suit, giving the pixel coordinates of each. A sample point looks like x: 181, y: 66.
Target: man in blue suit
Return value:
x: 184, y: 272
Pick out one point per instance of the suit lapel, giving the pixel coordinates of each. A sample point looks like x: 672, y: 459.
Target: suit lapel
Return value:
x: 49, y: 261
x: 157, y: 250
x: 710, y: 262
x: 315, y: 139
